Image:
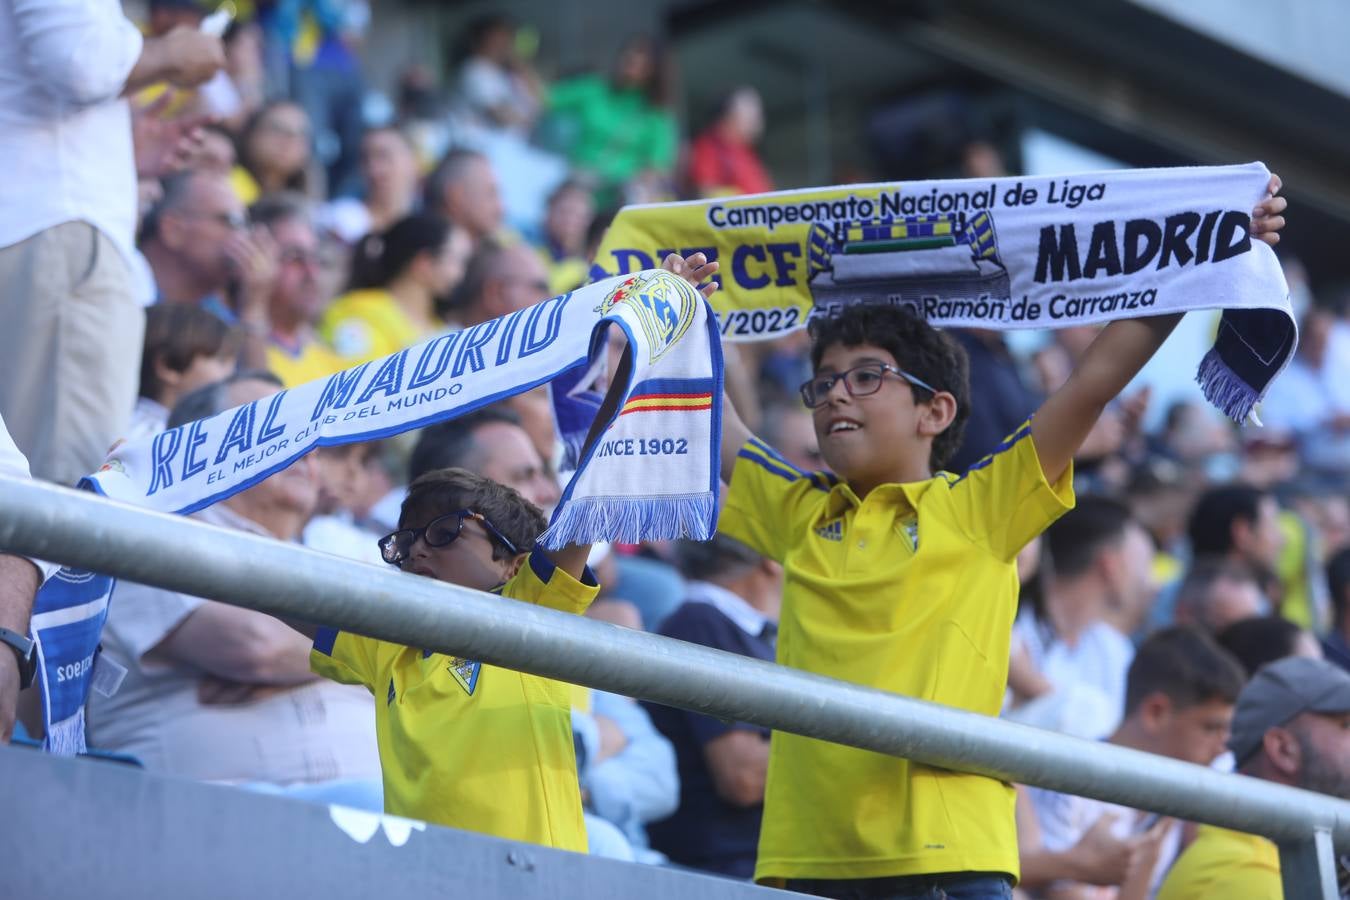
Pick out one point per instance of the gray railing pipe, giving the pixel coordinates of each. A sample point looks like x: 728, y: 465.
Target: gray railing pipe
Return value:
x: 91, y: 532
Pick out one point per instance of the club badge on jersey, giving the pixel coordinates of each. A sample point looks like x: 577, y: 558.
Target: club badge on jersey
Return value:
x: 465, y: 671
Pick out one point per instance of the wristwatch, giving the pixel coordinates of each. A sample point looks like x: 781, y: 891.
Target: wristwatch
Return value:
x: 26, y: 651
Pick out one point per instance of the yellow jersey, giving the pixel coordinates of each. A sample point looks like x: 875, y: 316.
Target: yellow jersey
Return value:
x: 469, y: 745
x: 1225, y: 864
x: 314, y: 360
x: 367, y: 324
x: 911, y: 590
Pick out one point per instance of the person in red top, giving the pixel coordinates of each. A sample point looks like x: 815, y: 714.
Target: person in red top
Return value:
x: 723, y: 159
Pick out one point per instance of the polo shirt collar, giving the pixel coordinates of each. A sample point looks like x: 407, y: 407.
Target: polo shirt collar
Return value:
x: 742, y: 614
x: 900, y: 494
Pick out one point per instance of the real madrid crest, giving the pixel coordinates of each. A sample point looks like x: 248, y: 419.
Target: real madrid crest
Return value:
x: 665, y: 306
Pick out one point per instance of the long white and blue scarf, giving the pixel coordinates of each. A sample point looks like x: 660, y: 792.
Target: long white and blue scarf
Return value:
x: 650, y: 474
x: 1004, y: 253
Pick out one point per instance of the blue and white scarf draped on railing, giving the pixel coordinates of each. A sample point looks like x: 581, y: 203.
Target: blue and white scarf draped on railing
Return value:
x: 651, y: 473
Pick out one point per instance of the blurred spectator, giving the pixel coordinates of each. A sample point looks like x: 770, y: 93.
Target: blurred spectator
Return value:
x: 789, y: 430
x: 1160, y: 498
x: 566, y: 222
x: 186, y: 348
x: 626, y: 768
x: 20, y: 578
x: 1004, y: 402
x: 1291, y: 727
x: 1336, y: 642
x: 244, y: 63
x: 1306, y: 399
x: 398, y: 278
x: 294, y: 353
x: 496, y: 89
x: 463, y: 188
x: 201, y: 252
x: 723, y: 159
x: 1308, y: 503
x: 619, y: 128
x: 491, y: 443
x: 389, y: 169
x: 342, y: 474
x: 498, y: 280
x: 1193, y: 434
x: 1241, y: 523
x: 222, y: 693
x: 1216, y: 593
x: 1099, y: 561
x: 732, y: 604
x: 215, y: 154
x: 1259, y: 640
x: 274, y: 153
x: 326, y: 79
x: 1179, y: 703
x: 72, y: 321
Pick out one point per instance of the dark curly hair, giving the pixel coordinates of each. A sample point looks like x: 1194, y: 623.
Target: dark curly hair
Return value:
x: 443, y: 491
x: 918, y: 348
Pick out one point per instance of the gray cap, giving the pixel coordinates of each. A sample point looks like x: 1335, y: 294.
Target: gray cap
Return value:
x: 1281, y: 691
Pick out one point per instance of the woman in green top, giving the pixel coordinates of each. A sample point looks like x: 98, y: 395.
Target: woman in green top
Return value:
x: 619, y: 127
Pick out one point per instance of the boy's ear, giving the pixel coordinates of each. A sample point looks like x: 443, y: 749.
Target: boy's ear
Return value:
x: 937, y: 414
x: 513, y: 565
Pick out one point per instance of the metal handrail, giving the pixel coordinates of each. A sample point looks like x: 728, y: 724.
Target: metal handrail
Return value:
x: 91, y: 532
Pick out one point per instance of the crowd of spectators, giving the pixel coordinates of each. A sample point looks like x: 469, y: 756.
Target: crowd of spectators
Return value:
x: 280, y: 237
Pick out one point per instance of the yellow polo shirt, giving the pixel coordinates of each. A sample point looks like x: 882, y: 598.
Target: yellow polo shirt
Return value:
x: 469, y: 745
x: 311, y: 362
x: 912, y: 590
x: 367, y: 324
x: 1225, y: 864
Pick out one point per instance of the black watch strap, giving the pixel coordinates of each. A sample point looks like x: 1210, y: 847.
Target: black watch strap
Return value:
x: 26, y: 651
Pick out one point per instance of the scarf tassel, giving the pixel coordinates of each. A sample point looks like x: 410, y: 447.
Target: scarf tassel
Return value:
x: 1223, y: 388
x: 629, y: 520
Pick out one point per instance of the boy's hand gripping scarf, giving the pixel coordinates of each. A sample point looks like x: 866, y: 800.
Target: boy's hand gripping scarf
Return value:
x: 651, y: 473
x: 1031, y: 252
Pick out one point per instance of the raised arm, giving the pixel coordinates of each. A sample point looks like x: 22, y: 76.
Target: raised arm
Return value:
x: 1114, y: 358
x: 697, y: 271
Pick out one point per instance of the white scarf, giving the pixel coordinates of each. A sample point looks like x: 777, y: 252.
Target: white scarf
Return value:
x: 651, y: 474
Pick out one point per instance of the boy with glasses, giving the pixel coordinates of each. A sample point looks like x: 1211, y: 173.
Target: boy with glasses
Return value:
x: 464, y: 744
x: 902, y: 577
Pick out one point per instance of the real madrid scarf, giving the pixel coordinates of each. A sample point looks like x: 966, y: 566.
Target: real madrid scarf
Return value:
x: 649, y: 473
x: 1032, y: 252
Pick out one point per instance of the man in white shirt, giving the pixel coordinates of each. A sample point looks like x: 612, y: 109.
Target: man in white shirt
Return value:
x: 72, y: 332
x: 1179, y: 703
x: 223, y: 693
x: 20, y: 577
x: 1099, y: 560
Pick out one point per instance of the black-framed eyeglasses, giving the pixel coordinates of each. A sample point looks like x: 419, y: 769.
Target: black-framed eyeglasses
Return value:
x: 439, y: 532
x: 859, y: 381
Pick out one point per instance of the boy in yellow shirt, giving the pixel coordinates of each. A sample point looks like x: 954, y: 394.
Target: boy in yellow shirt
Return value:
x: 902, y: 577
x: 464, y: 744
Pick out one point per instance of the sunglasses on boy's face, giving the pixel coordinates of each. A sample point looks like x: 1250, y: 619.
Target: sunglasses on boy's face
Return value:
x: 439, y: 532
x: 859, y: 381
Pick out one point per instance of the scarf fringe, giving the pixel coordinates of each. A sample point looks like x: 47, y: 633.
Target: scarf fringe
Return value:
x: 629, y: 520
x: 66, y: 738
x: 1225, y: 389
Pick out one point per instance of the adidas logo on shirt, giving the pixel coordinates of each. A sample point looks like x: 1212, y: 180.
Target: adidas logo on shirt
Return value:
x: 832, y: 531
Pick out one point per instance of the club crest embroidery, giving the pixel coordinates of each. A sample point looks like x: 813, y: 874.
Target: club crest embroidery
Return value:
x: 665, y: 305
x: 465, y: 671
